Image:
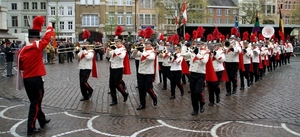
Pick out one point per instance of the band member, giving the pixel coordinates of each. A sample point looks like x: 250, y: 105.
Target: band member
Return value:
x: 199, y: 58
x: 185, y: 48
x: 86, y: 65
x: 247, y: 54
x: 214, y: 87
x: 254, y: 76
x: 264, y: 59
x: 272, y: 55
x: 160, y: 50
x: 166, y: 65
x: 232, y: 50
x: 136, y: 54
x: 147, y: 70
x: 30, y: 62
x: 282, y: 52
x: 289, y: 51
x: 175, y: 72
x: 278, y: 53
x: 116, y: 56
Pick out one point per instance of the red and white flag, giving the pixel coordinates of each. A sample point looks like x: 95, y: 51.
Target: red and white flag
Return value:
x: 184, y: 13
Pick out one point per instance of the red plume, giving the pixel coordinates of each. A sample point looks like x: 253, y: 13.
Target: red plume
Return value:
x: 216, y: 34
x: 118, y: 31
x: 175, y: 39
x: 281, y: 35
x: 288, y: 37
x: 238, y: 34
x: 234, y: 31
x: 148, y: 32
x: 86, y: 34
x: 209, y: 37
x: 38, y: 22
x: 273, y: 36
x: 261, y: 37
x: 187, y: 37
x: 200, y: 32
x: 222, y: 37
x: 195, y: 34
x: 252, y: 38
x: 169, y: 39
x: 161, y: 37
x: 245, y: 35
x: 227, y: 36
x: 142, y: 33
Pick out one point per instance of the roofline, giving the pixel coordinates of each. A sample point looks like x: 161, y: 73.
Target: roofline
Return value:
x: 241, y: 25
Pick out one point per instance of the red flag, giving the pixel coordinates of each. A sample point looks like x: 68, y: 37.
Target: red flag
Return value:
x: 176, y: 20
x: 211, y: 75
x: 241, y: 62
x: 126, y: 64
x: 94, y: 67
x: 224, y: 77
x: 184, y: 67
x: 184, y: 13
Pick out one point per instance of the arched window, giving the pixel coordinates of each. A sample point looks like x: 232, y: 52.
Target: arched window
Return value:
x: 289, y: 6
x: 286, y: 5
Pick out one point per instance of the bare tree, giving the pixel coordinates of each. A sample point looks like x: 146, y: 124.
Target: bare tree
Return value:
x: 295, y: 18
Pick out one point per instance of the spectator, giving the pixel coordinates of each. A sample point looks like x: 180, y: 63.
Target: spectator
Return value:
x: 9, y: 52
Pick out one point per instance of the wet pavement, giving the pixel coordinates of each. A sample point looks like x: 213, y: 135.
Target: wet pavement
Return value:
x: 270, y: 107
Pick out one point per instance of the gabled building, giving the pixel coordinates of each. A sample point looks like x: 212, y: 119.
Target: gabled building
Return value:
x: 221, y: 12
x: 62, y: 12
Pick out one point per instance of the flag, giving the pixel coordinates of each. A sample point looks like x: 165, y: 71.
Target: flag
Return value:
x: 256, y: 27
x: 176, y: 20
x: 184, y: 13
x: 236, y: 23
x: 281, y: 27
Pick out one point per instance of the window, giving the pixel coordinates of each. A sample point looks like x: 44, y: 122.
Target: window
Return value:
x: 120, y: 18
x: 26, y: 24
x: 129, y: 2
x: 147, y: 3
x: 14, y: 21
x: 111, y: 17
x: 141, y: 19
x: 128, y: 18
x: 211, y: 11
x: 120, y: 2
x: 52, y: 11
x: 219, y: 21
x: 43, y: 5
x: 219, y: 12
x: 91, y: 20
x: 111, y: 2
x: 90, y: 2
x: 34, y: 5
x: 289, y: 6
x: 153, y: 4
x: 153, y: 19
x: 170, y: 21
x: 268, y: 9
x: 141, y: 3
x: 227, y: 12
x: 97, y: 2
x: 227, y: 21
x: 61, y: 25
x: 14, y: 6
x: 70, y: 25
x: 273, y: 9
x: 61, y: 11
x: 70, y: 11
x: 25, y: 5
x: 287, y: 19
x: 294, y: 5
x: 147, y: 19
x: 286, y: 5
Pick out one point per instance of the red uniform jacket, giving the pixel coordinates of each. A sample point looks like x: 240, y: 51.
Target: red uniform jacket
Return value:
x: 31, y: 56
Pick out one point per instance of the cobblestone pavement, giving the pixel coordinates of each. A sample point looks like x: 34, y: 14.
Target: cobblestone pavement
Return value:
x: 268, y: 108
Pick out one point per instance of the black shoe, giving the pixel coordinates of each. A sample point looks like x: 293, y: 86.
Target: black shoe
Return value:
x: 164, y: 88
x: 34, y: 131
x: 113, y: 103
x: 90, y: 94
x: 83, y: 99
x: 251, y: 83
x: 140, y: 107
x: 125, y: 97
x: 241, y: 88
x: 189, y: 91
x: 8, y: 76
x: 109, y: 92
x: 155, y: 101
x: 46, y: 122
x: 137, y: 87
x: 218, y: 100
x: 202, y: 108
x: 182, y: 93
x: 172, y: 97
x: 194, y: 113
x: 11, y: 75
x: 228, y: 94
x: 234, y: 91
x: 210, y: 104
